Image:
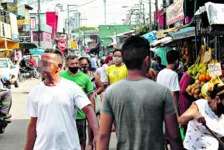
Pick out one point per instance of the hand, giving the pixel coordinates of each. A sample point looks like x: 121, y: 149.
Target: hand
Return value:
x: 95, y: 140
x: 200, y: 118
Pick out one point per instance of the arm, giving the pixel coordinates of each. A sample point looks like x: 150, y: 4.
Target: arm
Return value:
x: 99, y: 84
x: 175, y: 98
x: 188, y: 115
x: 173, y: 132
x: 91, y: 98
x: 105, y: 132
x: 31, y: 134
x: 108, y: 81
x: 91, y: 119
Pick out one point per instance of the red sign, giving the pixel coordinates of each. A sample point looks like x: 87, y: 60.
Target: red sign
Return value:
x: 62, y: 45
x: 175, y: 12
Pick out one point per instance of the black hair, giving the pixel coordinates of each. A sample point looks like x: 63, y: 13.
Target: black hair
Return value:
x: 57, y: 52
x: 216, y: 90
x: 158, y: 58
x: 116, y: 50
x: 152, y: 54
x: 71, y: 57
x: 134, y: 50
x: 85, y: 58
x: 172, y: 56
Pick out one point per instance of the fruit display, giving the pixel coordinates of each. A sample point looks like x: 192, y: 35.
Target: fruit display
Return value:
x: 204, y: 83
x: 187, y: 54
x: 195, y: 89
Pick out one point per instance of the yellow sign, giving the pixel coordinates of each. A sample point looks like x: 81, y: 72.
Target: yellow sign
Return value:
x: 74, y: 45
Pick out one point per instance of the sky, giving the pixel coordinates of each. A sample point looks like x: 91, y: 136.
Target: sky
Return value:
x: 93, y: 12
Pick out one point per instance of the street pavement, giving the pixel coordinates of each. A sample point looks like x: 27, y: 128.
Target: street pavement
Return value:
x: 15, y: 135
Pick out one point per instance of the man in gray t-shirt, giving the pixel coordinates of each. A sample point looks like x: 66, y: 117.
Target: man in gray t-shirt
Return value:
x: 138, y: 106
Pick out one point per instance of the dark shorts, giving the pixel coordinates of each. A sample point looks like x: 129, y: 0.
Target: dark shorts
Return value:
x: 81, y: 128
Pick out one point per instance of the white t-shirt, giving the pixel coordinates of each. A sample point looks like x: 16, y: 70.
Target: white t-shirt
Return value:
x: 55, y: 109
x: 103, y: 75
x: 169, y: 79
x: 197, y: 136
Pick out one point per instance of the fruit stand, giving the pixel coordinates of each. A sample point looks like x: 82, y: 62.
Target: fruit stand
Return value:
x: 207, y: 69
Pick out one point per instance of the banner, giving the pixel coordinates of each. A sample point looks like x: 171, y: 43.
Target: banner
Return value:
x: 175, y: 12
x: 14, y: 27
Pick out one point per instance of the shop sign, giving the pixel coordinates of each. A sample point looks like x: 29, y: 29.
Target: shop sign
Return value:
x: 214, y: 69
x: 33, y: 23
x: 175, y: 12
x: 46, y: 37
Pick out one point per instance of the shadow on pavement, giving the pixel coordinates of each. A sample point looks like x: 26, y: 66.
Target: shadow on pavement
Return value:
x: 15, y: 135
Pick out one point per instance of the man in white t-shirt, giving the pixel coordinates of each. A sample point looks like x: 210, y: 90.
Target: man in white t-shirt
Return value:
x: 52, y: 106
x: 169, y: 78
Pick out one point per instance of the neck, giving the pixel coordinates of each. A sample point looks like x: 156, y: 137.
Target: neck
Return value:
x: 118, y: 65
x: 135, y: 74
x: 213, y: 107
x: 169, y: 67
x: 52, y: 82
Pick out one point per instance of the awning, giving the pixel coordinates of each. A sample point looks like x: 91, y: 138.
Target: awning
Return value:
x: 164, y: 41
x: 37, y: 51
x: 28, y: 45
x: 151, y: 36
x: 183, y: 33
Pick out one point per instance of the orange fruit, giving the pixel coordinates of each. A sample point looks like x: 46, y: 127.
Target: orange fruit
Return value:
x: 202, y: 77
x: 208, y: 78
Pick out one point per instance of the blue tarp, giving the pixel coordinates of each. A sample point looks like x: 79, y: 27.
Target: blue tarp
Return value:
x: 37, y: 51
x: 183, y: 33
x: 151, y: 36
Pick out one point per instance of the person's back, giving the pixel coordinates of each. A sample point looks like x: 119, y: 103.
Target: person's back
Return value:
x: 139, y: 113
x: 167, y: 77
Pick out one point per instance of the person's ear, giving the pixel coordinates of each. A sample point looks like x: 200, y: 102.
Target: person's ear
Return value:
x: 217, y: 99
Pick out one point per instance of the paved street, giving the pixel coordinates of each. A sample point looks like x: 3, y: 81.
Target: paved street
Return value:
x: 15, y: 135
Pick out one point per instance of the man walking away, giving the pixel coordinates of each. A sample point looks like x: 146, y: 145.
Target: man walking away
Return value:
x: 52, y: 106
x: 169, y: 78
x: 138, y: 106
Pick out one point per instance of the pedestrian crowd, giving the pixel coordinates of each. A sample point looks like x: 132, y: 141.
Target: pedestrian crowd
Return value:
x: 130, y: 93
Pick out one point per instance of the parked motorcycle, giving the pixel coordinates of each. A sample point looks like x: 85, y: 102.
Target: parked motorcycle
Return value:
x: 8, y: 85
x: 28, y: 72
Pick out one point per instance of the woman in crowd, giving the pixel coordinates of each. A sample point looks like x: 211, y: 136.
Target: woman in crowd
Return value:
x: 204, y: 112
x: 103, y: 76
x: 85, y: 67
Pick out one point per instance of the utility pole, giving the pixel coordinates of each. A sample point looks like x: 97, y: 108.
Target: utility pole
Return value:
x: 38, y: 23
x: 150, y: 13
x: 157, y: 17
x: 105, y: 12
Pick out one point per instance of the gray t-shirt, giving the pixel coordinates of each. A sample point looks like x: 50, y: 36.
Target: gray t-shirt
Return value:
x: 138, y: 108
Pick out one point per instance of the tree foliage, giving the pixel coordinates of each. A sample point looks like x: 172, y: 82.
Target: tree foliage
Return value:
x: 145, y: 29
x: 84, y: 28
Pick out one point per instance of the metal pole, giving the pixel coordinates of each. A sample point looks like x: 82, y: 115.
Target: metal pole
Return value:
x: 150, y: 13
x: 157, y: 24
x: 39, y: 23
x: 105, y: 12
x: 68, y: 17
